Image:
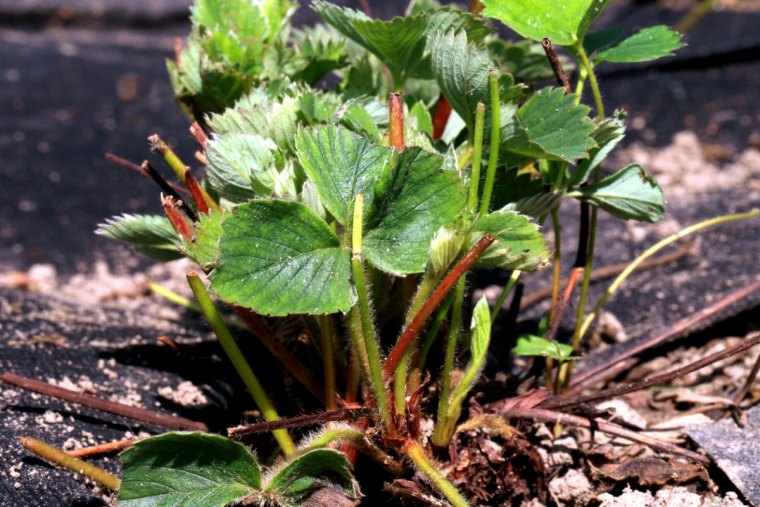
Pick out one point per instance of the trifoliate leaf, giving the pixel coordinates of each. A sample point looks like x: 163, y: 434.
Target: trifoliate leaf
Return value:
x: 550, y: 125
x: 201, y: 85
x: 316, y: 54
x: 532, y: 345
x: 399, y: 43
x: 645, y: 45
x: 341, y: 164
x: 631, y: 193
x: 461, y: 70
x: 187, y: 470
x: 294, y: 480
x: 240, y: 39
x: 241, y: 166
x: 564, y: 23
x: 519, y: 244
x: 152, y: 235
x: 412, y: 200
x: 280, y: 258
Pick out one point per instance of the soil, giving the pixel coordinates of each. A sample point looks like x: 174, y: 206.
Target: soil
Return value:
x: 76, y: 310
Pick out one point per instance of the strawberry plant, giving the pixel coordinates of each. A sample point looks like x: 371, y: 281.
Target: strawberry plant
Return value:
x: 355, y: 173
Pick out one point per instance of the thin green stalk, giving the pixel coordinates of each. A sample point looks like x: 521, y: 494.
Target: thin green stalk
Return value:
x: 652, y: 250
x: 565, y: 370
x: 589, y: 68
x: 400, y: 376
x: 557, y: 264
x: 417, y: 454
x: 493, y: 154
x: 584, y: 325
x: 238, y: 360
x: 477, y: 153
x: 440, y: 434
x: 582, y: 76
x: 365, y: 314
x: 435, y: 327
x: 184, y: 302
x: 327, y: 335
x: 556, y: 280
x: 504, y: 293
x: 60, y: 458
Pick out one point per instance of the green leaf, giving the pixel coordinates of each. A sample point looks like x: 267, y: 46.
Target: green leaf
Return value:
x: 550, y: 125
x: 241, y: 166
x: 564, y: 23
x: 600, y: 39
x: 461, y: 70
x: 532, y: 345
x: 280, y: 258
x: 240, y: 40
x: 607, y: 135
x: 519, y: 244
x: 204, y: 247
x: 341, y: 164
x: 187, y: 470
x: 359, y: 120
x: 202, y: 86
x: 296, y: 477
x: 247, y: 116
x: 630, y: 193
x: 152, y: 235
x: 480, y: 337
x: 645, y: 45
x: 316, y: 54
x: 412, y: 200
x: 399, y: 43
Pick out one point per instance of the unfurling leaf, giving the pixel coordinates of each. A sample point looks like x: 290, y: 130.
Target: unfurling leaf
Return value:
x: 480, y: 337
x: 630, y: 193
x: 645, y: 45
x: 280, y: 258
x: 189, y: 470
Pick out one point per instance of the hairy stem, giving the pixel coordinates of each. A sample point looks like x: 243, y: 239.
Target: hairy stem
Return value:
x: 493, y: 154
x: 415, y: 326
x: 237, y: 359
x: 440, y: 434
x: 504, y: 293
x: 417, y: 454
x: 368, y: 333
x: 477, y: 152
